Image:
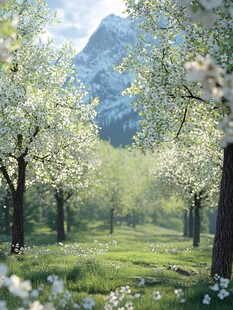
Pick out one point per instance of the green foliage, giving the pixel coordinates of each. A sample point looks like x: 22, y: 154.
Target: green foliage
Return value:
x: 123, y: 180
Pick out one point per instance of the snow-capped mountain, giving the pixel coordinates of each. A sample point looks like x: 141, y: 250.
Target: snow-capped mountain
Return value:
x: 94, y: 64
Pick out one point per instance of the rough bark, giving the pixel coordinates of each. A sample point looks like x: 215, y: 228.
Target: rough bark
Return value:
x: 190, y: 234
x: 61, y: 236
x: 111, y: 228
x: 7, y: 218
x: 17, y: 244
x: 185, y: 223
x: 222, y: 256
x: 197, y: 223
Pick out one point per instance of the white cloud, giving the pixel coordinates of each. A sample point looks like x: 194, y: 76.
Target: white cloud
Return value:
x: 80, y: 18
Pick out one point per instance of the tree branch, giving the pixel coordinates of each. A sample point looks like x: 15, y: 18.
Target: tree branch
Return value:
x: 191, y: 95
x: 68, y: 195
x: 30, y: 141
x: 182, y: 123
x: 7, y: 178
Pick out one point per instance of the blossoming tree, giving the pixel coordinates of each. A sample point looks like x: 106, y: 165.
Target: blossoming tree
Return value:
x: 171, y: 101
x: 44, y: 122
x: 192, y: 173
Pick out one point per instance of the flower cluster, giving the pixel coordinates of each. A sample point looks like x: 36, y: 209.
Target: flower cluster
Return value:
x: 156, y: 295
x: 220, y: 287
x: 204, y: 70
x: 180, y: 295
x: 121, y: 299
x: 58, y: 297
x: 217, y: 85
x: 18, y: 249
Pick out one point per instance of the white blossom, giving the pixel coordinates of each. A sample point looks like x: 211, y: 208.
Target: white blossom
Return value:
x: 223, y: 293
x: 58, y: 286
x: 18, y: 288
x: 129, y: 305
x: 49, y: 306
x: 206, y: 300
x: 156, y: 295
x: 36, y: 305
x: 224, y: 282
x: 125, y: 289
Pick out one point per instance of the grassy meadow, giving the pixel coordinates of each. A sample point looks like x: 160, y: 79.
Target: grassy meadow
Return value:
x: 160, y: 267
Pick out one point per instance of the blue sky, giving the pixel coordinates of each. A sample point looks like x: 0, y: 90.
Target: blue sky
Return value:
x: 80, y: 18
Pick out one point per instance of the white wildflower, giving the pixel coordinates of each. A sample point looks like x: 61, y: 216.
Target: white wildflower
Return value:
x: 36, y: 305
x: 179, y: 292
x: 125, y: 290
x: 156, y: 295
x: 49, y: 306
x: 52, y: 278
x: 88, y: 303
x: 57, y: 286
x: 223, y: 293
x: 206, y: 300
x: 214, y: 287
x: 113, y: 299
x: 224, y: 282
x: 114, y: 242
x: 20, y: 289
x: 34, y: 294
x: 141, y: 282
x: 129, y: 305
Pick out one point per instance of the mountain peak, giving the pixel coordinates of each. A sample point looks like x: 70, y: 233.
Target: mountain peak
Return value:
x: 116, y: 23
x: 106, y: 48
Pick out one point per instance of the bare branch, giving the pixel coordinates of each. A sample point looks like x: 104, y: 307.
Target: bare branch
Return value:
x: 191, y: 95
x: 182, y: 123
x: 7, y: 178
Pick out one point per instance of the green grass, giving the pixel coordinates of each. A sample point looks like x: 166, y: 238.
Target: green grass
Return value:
x: 145, y: 252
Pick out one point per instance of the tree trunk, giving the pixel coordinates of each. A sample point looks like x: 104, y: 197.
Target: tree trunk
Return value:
x: 190, y: 222
x: 18, y: 214
x: 111, y: 221
x: 133, y: 218
x: 7, y: 218
x: 60, y: 215
x: 222, y: 256
x: 197, y: 205
x: 68, y: 218
x: 185, y: 223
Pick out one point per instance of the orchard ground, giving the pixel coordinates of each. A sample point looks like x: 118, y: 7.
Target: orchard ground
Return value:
x: 160, y: 266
